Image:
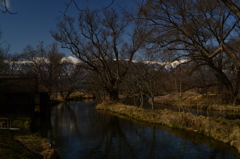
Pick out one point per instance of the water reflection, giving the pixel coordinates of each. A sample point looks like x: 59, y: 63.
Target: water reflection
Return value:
x: 79, y: 131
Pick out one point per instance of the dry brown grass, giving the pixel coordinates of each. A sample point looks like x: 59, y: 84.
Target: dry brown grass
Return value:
x: 221, y: 129
x: 195, y: 100
x: 28, y: 142
x: 37, y: 144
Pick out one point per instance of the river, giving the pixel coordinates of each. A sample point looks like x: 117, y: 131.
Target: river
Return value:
x: 78, y: 131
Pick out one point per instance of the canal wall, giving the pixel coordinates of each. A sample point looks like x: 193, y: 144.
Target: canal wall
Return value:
x: 221, y: 129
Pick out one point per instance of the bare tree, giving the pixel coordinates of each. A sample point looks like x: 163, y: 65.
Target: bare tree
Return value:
x: 152, y: 80
x: 201, y: 78
x: 233, y: 6
x: 45, y: 61
x: 74, y: 3
x: 93, y: 85
x: 150, y: 74
x: 4, y: 56
x: 70, y: 77
x: 197, y: 28
x: 132, y: 85
x: 102, y: 42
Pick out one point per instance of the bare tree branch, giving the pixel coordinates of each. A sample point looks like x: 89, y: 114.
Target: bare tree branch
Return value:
x: 232, y: 6
x: 6, y: 7
x: 73, y: 2
x: 109, y: 4
x: 68, y: 5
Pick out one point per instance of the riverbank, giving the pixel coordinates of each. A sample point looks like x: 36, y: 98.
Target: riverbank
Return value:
x: 221, y: 129
x: 24, y: 144
x: 76, y: 96
x: 196, y: 101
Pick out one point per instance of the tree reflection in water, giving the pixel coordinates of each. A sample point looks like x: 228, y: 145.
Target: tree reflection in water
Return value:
x: 79, y: 131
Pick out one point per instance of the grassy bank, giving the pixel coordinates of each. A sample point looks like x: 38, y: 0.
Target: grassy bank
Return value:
x: 76, y: 96
x: 197, y: 101
x: 23, y: 144
x: 221, y: 129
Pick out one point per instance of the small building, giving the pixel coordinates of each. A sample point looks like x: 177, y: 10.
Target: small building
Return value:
x: 19, y: 94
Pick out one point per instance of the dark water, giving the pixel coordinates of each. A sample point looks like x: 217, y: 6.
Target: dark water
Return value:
x: 80, y: 132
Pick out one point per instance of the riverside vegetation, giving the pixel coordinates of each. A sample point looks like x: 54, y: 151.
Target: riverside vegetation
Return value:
x: 221, y: 129
x: 23, y: 143
x: 197, y: 101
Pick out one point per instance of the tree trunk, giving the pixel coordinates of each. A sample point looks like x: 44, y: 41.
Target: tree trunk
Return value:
x: 228, y: 91
x: 141, y: 99
x: 113, y: 95
x: 231, y: 54
x: 237, y: 87
x: 152, y: 101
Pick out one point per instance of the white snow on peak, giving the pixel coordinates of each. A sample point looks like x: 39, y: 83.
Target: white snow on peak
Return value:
x: 70, y: 59
x: 174, y: 64
x: 152, y: 62
x: 41, y: 60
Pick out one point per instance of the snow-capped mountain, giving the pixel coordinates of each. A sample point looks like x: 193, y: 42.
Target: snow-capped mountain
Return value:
x: 70, y: 59
x: 174, y: 64
x: 166, y: 65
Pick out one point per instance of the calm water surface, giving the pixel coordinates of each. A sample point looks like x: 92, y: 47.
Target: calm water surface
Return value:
x: 80, y: 132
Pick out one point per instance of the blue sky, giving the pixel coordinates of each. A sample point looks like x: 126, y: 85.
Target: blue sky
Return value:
x: 35, y: 18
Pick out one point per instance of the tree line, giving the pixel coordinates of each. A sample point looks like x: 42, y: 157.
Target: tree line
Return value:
x: 203, y: 33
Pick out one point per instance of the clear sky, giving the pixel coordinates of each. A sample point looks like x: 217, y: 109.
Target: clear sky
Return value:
x: 35, y: 18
